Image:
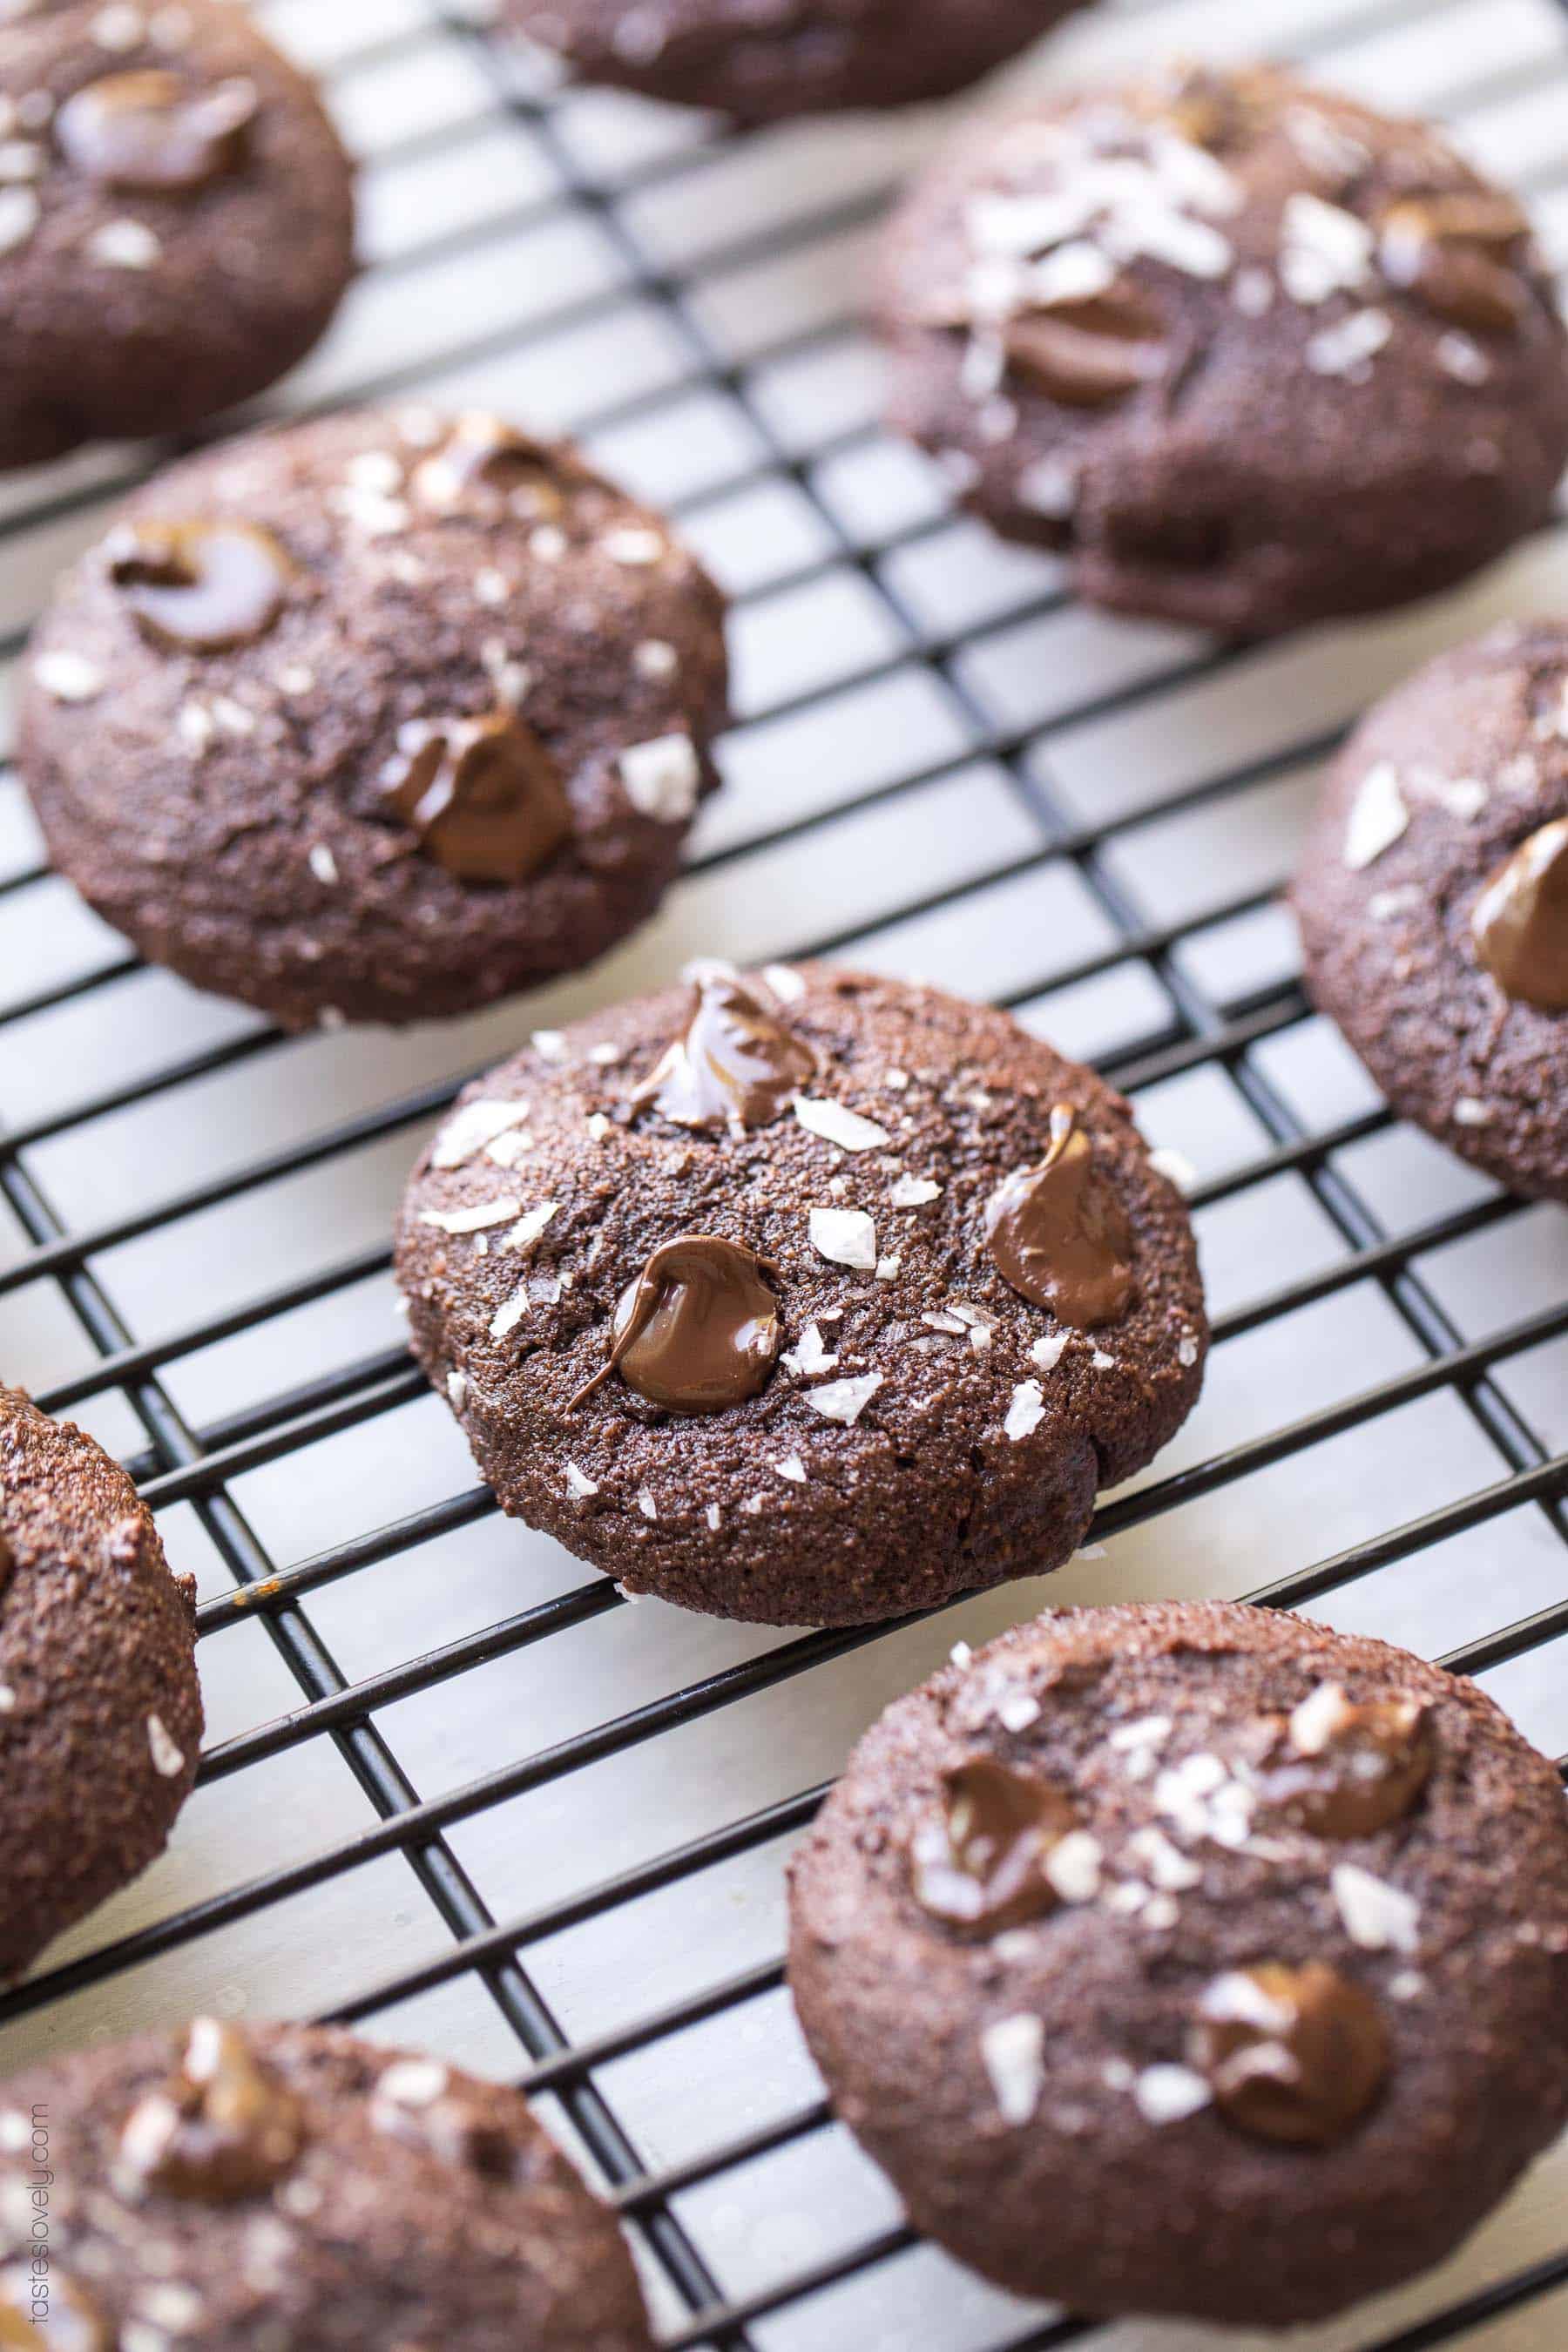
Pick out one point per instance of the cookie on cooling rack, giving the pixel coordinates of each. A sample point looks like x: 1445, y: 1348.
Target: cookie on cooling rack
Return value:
x: 384, y: 717
x: 801, y: 1297
x: 177, y: 219
x: 761, y: 63
x: 293, y: 2188
x: 1249, y: 354
x: 100, y: 1716
x: 1432, y: 899
x: 1235, y: 1948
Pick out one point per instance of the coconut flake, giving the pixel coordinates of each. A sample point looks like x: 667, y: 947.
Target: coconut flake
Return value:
x: 809, y: 1357
x: 914, y: 1191
x: 845, y: 1237
x: 845, y: 1401
x: 1026, y: 1412
x: 168, y: 1758
x: 662, y: 778
x: 1169, y: 2095
x: 67, y: 677
x: 528, y: 1227
x: 20, y: 213
x: 1013, y: 2053
x: 1048, y: 1353
x: 1324, y: 249
x: 1377, y: 1916
x: 785, y: 984
x: 792, y: 1468
x: 1073, y: 1866
x: 471, y: 1221
x: 836, y: 1125
x: 1378, y: 817
x: 578, y: 1482
x: 507, y: 1318
x: 124, y: 245
x: 469, y: 1131
x: 1346, y: 349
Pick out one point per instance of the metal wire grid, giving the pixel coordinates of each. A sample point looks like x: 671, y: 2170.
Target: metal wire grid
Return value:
x: 181, y: 1461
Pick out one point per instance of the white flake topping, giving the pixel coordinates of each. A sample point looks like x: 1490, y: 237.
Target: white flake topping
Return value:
x: 124, y: 245
x: 323, y: 865
x: 1017, y: 1711
x: 914, y: 1191
x: 20, y: 213
x: 809, y: 1357
x: 1166, y: 1865
x: 471, y: 1221
x: 456, y: 1391
x: 1013, y: 2053
x: 469, y: 1130
x: 1378, y: 817
x: 836, y: 1125
x: 845, y: 1401
x: 1048, y: 1353
x: 792, y: 1468
x: 168, y: 1761
x: 1169, y: 2095
x: 67, y: 677
x: 1026, y: 1412
x: 578, y: 1482
x: 1324, y: 250
x: 1348, y: 347
x: 1073, y: 1866
x: 413, y: 2083
x: 1378, y: 1917
x: 507, y: 1318
x: 786, y: 985
x: 528, y: 1228
x: 847, y: 1236
x: 662, y: 778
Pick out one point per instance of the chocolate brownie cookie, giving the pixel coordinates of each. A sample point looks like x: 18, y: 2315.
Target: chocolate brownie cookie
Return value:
x: 1432, y: 899
x: 762, y: 60
x: 101, y: 1717
x: 1249, y: 354
x: 801, y: 1297
x: 1191, y: 1959
x: 383, y: 716
x: 290, y: 2187
x: 177, y: 219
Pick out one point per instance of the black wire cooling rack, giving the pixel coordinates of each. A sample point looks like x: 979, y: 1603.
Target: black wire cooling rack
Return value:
x: 1215, y: 1002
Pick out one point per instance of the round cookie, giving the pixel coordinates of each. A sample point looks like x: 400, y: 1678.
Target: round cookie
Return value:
x: 1235, y: 1947
x: 1246, y: 354
x: 177, y: 219
x: 804, y: 1297
x: 292, y: 2187
x: 1432, y: 900
x: 764, y: 60
x: 380, y: 717
x: 100, y: 1714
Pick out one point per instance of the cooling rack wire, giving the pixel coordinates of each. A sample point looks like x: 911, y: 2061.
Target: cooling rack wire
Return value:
x: 456, y: 1790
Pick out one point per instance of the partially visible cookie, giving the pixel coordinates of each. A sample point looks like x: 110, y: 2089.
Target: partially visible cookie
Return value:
x: 1191, y: 1959
x: 762, y: 60
x: 1247, y: 353
x: 100, y: 1714
x: 293, y: 2188
x: 177, y: 219
x: 380, y: 717
x: 1432, y: 899
x: 803, y: 1296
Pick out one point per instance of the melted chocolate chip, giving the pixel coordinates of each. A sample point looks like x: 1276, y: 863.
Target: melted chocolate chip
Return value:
x: 150, y: 134
x: 1294, y: 2054
x: 1341, y: 1770
x: 68, y: 2320
x: 484, y: 796
x: 1088, y: 354
x: 1060, y: 1235
x: 222, y: 2128
x: 487, y: 467
x: 733, y: 1065
x: 698, y: 1330
x: 1520, y: 921
x: 200, y: 587
x: 1453, y: 251
x: 978, y: 1863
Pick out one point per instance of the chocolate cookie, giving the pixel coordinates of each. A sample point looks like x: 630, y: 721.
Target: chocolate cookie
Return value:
x: 293, y: 2189
x: 1432, y: 899
x: 803, y: 1296
x: 101, y: 1717
x: 177, y: 219
x: 762, y: 60
x: 384, y: 717
x: 1247, y: 353
x: 1191, y: 1959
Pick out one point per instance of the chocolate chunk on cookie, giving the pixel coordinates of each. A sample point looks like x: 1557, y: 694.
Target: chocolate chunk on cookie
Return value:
x: 1432, y: 899
x: 177, y: 219
x: 384, y: 717
x: 1249, y: 354
x: 293, y: 2188
x: 100, y: 1716
x: 1191, y: 1959
x: 762, y: 60
x: 801, y: 1297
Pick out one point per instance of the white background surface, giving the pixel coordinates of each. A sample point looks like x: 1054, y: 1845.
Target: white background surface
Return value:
x: 493, y: 286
